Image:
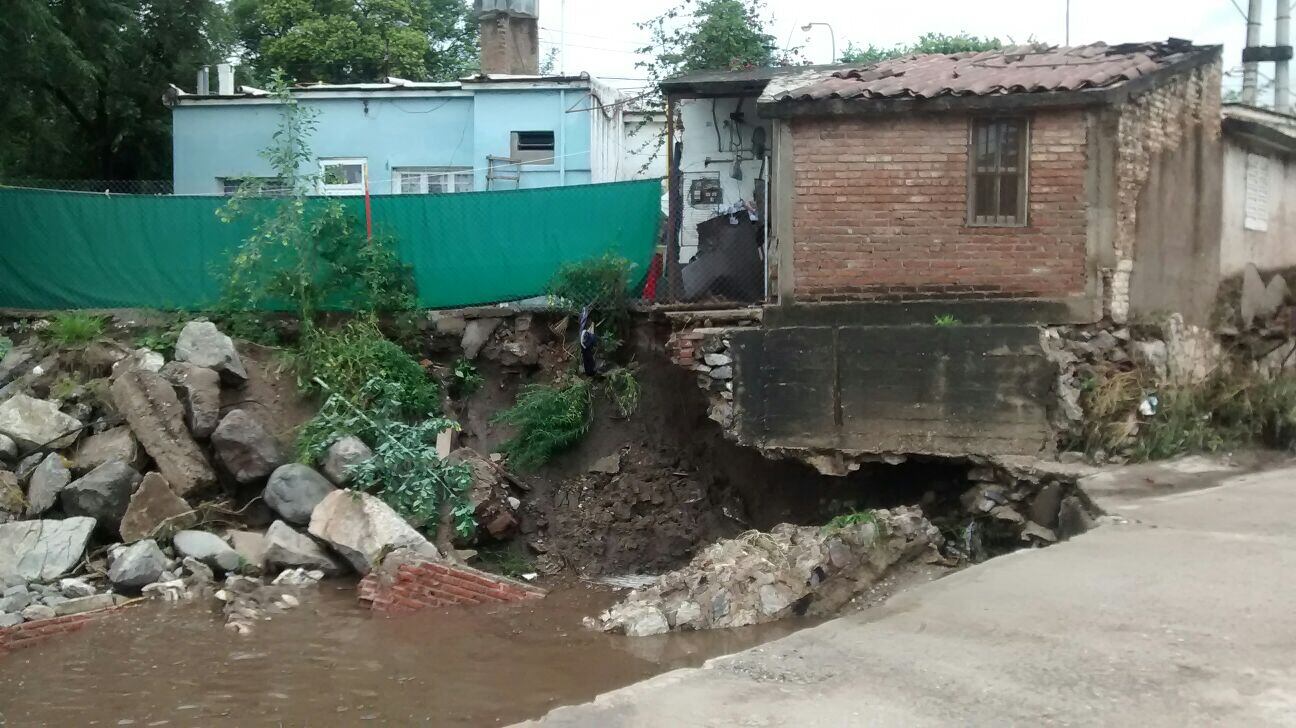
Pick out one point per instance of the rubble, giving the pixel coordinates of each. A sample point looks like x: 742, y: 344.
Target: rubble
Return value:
x: 362, y: 529
x: 156, y: 417
x: 42, y: 550
x: 200, y: 390
x: 201, y: 343
x: 343, y: 455
x: 155, y: 511
x: 243, y: 446
x: 294, y: 490
x: 285, y: 548
x: 37, y: 424
x: 138, y: 566
x: 117, y: 443
x: 208, y: 549
x: 762, y: 577
x: 103, y: 494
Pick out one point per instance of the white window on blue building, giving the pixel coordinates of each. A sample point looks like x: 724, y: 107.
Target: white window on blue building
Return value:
x: 532, y: 147
x: 343, y: 176
x: 431, y: 180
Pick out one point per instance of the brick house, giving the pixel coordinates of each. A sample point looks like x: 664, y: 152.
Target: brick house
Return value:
x: 1085, y: 177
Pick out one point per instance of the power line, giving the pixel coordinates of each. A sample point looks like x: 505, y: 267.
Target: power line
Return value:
x: 1240, y: 10
x: 593, y: 48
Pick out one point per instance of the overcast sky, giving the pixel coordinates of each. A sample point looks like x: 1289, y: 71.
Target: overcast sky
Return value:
x: 602, y: 36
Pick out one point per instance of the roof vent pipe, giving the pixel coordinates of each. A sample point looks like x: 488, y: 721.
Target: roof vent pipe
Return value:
x: 225, y: 79
x: 204, y: 81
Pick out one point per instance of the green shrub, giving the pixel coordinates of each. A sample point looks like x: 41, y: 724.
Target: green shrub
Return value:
x: 348, y: 357
x: 405, y: 471
x: 6, y: 345
x: 624, y: 390
x: 162, y: 339
x: 601, y: 283
x: 847, y: 520
x: 73, y: 329
x: 946, y: 320
x: 1227, y: 411
x: 465, y: 379
x: 549, y: 418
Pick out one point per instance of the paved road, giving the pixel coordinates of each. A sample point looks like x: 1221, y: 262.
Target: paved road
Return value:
x: 1184, y: 614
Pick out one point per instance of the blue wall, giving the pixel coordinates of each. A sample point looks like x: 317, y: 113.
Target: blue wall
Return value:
x: 223, y: 139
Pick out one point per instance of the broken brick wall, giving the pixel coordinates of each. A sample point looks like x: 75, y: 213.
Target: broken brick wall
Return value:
x: 405, y: 584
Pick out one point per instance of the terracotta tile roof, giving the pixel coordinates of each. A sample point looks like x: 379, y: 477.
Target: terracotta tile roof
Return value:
x: 1016, y: 70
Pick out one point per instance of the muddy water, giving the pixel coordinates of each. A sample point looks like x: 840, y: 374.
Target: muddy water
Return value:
x: 329, y: 663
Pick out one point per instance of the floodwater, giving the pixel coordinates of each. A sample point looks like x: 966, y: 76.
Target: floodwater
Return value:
x: 330, y: 663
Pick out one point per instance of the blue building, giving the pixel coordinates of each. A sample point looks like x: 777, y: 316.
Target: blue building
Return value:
x: 486, y: 132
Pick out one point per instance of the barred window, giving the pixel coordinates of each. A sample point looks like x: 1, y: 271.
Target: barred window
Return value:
x: 997, y: 172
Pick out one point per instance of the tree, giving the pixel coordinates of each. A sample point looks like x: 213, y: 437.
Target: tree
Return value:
x: 709, y: 34
x: 927, y: 43
x: 342, y: 41
x: 84, y: 81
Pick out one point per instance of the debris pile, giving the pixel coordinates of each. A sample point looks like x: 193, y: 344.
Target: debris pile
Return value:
x: 762, y: 577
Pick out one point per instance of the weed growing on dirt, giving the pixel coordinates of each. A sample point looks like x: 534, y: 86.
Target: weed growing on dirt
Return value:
x: 161, y: 339
x: 73, y: 329
x: 946, y: 320
x: 6, y: 345
x: 549, y: 418
x: 405, y: 470
x: 601, y: 283
x: 348, y: 357
x: 505, y: 561
x: 465, y: 380
x: 624, y: 390
x: 850, y: 520
x: 64, y: 387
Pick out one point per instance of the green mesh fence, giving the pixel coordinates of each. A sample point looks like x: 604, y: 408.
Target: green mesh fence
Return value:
x: 67, y: 250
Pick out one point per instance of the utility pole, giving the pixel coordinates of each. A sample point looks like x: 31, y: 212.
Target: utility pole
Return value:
x: 1068, y: 23
x: 1250, y: 63
x: 1282, y: 77
x: 1280, y: 54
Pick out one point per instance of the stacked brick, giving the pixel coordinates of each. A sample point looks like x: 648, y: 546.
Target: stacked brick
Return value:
x: 685, y: 348
x: 880, y: 211
x: 31, y: 633
x: 413, y: 584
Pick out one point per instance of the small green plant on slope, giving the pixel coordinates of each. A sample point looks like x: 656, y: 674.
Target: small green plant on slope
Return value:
x: 73, y: 329
x: 6, y: 345
x: 623, y: 389
x: 405, y: 471
x: 849, y: 520
x: 549, y: 418
x: 64, y: 387
x: 307, y: 254
x: 465, y: 379
x: 601, y: 283
x: 946, y: 319
x: 161, y: 339
x: 347, y: 358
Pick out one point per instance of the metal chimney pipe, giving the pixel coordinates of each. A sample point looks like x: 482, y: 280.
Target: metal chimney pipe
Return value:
x: 1282, y: 69
x: 1250, y: 69
x: 225, y: 79
x: 204, y: 81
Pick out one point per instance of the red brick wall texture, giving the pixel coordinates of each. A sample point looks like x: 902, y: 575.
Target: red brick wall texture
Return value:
x: 880, y: 210
x: 418, y: 584
x: 31, y: 633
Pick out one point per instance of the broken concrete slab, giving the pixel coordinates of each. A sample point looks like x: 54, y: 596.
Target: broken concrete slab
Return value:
x: 155, y: 511
x: 42, y: 551
x: 201, y: 343
x: 150, y: 406
x: 37, y: 424
x: 476, y: 333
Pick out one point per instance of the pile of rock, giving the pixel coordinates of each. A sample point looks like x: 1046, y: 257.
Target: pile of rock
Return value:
x: 762, y: 577
x: 706, y: 351
x: 132, y: 461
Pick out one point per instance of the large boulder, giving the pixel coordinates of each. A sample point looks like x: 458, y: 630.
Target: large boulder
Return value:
x: 37, y: 424
x: 12, y: 503
x: 104, y: 493
x: 42, y: 550
x: 207, y: 548
x: 17, y: 361
x: 342, y: 456
x: 155, y: 510
x: 118, y: 443
x: 46, y: 482
x: 8, y: 450
x: 362, y: 529
x: 245, y: 448
x: 203, y: 344
x: 150, y: 406
x: 288, y: 549
x: 139, y: 565
x: 200, y: 390
x: 294, y: 490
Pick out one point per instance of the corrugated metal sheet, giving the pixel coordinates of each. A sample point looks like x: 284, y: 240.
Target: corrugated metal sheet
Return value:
x: 1020, y: 69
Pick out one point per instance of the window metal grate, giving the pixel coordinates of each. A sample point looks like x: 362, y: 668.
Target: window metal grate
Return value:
x: 997, y: 172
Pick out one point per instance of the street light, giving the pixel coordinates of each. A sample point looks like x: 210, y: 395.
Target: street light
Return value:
x: 808, y: 26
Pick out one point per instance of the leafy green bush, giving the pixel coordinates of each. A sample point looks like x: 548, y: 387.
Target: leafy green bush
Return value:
x: 348, y: 357
x: 1228, y: 410
x: 74, y: 329
x: 465, y: 379
x: 624, y: 390
x: 601, y: 283
x: 549, y: 418
x: 847, y: 520
x: 6, y: 345
x: 405, y: 470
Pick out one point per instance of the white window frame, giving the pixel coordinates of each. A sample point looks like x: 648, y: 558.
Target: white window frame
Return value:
x: 533, y: 156
x: 450, y: 176
x: 348, y: 189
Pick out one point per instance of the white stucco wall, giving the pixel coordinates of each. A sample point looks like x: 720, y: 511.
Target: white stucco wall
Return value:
x: 699, y: 120
x: 1269, y: 249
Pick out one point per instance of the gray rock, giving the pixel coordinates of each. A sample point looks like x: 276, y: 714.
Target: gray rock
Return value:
x: 1153, y: 356
x: 1073, y: 518
x: 722, y: 373
x: 1275, y: 295
x: 610, y: 465
x: 42, y: 550
x: 37, y: 424
x: 717, y: 360
x: 17, y: 361
x: 1044, y: 508
x: 1253, y: 295
x: 155, y: 511
x: 207, y: 548
x: 75, y: 588
x: 200, y: 393
x: 104, y: 494
x: 245, y: 448
x: 250, y: 546
x: 15, y: 601
x: 46, y: 482
x: 294, y: 490
x: 140, y: 360
x: 10, y: 620
x: 8, y: 449
x: 342, y: 456
x: 150, y: 406
x: 12, y: 503
x: 53, y: 600
x: 476, y: 333
x: 203, y: 344
x: 288, y: 549
x: 141, y: 564
x: 118, y: 443
x: 27, y: 466
x: 86, y: 604
x: 38, y: 612
x: 198, y: 571
x: 362, y: 529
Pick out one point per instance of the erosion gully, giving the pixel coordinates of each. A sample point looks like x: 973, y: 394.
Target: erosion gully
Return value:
x: 332, y: 663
